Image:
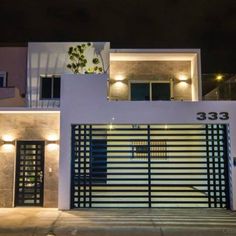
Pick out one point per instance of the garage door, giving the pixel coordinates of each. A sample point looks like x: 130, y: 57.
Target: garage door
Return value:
x: 149, y: 166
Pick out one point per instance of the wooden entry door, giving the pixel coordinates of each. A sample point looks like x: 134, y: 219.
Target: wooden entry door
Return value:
x: 29, y: 173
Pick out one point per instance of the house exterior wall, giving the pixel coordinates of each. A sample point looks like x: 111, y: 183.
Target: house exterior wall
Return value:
x: 82, y: 104
x: 28, y: 127
x: 52, y: 59
x: 13, y: 60
x: 150, y: 71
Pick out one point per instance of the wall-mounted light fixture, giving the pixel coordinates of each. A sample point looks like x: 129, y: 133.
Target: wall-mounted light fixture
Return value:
x: 8, y: 143
x: 182, y: 77
x: 119, y: 77
x: 52, y: 142
x: 7, y: 139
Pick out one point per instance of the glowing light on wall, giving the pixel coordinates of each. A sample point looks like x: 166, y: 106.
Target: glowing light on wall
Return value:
x: 52, y: 142
x: 52, y: 137
x: 119, y: 77
x: 183, y: 77
x: 7, y: 138
x: 119, y: 85
x: 183, y: 84
x: 8, y: 143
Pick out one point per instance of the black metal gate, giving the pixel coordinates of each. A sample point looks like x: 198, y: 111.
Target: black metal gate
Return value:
x: 149, y: 166
x: 29, y: 173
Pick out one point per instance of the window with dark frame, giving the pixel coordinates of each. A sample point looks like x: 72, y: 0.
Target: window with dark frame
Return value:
x: 50, y: 87
x: 141, y: 91
x: 3, y: 79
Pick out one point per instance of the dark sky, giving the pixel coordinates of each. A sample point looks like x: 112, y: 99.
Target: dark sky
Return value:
x: 206, y: 24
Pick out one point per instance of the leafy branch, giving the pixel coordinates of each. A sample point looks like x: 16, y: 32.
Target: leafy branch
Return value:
x: 78, y: 61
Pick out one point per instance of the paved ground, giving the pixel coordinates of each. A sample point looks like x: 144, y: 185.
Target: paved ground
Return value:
x: 117, y: 222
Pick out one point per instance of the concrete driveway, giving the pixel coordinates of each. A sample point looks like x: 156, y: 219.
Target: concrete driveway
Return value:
x: 117, y: 222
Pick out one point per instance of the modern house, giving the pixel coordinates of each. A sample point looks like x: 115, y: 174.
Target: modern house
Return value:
x: 83, y: 125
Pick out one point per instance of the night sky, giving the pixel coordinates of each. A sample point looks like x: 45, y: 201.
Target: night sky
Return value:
x: 206, y: 24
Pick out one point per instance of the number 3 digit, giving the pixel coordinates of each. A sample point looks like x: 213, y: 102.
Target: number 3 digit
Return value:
x: 224, y: 116
x: 201, y: 116
x: 212, y: 116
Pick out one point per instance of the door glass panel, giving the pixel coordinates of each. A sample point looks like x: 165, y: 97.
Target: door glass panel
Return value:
x: 160, y: 91
x: 140, y: 91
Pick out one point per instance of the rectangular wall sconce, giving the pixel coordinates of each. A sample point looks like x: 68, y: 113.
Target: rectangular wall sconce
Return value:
x: 8, y: 142
x: 52, y: 142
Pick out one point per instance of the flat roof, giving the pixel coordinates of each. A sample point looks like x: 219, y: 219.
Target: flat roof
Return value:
x: 27, y: 110
x: 153, y: 54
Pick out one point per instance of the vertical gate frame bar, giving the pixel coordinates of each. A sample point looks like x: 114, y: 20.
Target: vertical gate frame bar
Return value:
x: 208, y: 167
x: 219, y: 163
x: 90, y: 163
x: 79, y: 163
x: 72, y: 165
x: 149, y: 169
x: 213, y: 164
x: 85, y: 165
x: 226, y: 167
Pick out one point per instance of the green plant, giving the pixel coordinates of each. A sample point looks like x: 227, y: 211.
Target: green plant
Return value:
x: 78, y: 61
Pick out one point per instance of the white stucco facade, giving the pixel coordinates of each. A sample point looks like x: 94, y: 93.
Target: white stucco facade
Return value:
x: 84, y: 101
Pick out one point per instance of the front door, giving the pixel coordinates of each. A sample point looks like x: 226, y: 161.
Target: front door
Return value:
x: 29, y: 173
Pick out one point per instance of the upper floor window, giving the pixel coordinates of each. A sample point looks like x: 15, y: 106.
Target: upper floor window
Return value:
x: 3, y: 79
x: 140, y: 91
x: 50, y: 87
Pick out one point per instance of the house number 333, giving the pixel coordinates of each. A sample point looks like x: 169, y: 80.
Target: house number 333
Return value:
x: 212, y: 116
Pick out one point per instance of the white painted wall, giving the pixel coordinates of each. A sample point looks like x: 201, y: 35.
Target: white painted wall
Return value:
x: 84, y: 101
x: 52, y: 59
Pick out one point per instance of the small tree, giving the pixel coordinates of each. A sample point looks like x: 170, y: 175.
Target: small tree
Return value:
x: 78, y: 60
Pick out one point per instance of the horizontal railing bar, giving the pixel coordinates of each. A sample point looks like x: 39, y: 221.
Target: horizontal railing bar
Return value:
x: 154, y: 190
x: 155, y: 140
x: 144, y: 196
x: 146, y: 157
x: 145, y: 179
x: 145, y: 185
x: 144, y: 129
x: 144, y: 162
x: 154, y: 168
x: 153, y: 173
x: 153, y: 202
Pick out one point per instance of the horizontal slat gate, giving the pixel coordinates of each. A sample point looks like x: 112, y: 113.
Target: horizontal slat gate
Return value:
x: 149, y: 166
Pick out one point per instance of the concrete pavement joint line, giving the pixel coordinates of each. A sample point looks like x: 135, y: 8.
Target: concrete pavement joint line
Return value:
x: 162, y: 233
x: 52, y: 227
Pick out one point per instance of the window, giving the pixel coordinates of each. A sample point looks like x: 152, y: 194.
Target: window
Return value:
x: 3, y: 79
x: 141, y: 91
x: 158, y: 149
x: 50, y: 87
